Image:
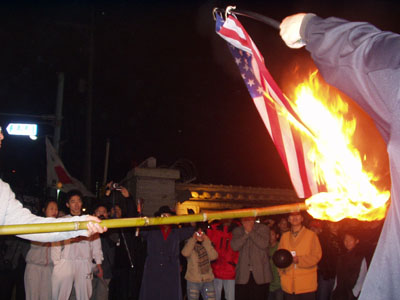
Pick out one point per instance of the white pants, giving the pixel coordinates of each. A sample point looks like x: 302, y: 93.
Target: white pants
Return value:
x: 229, y: 288
x: 37, y: 279
x: 68, y: 273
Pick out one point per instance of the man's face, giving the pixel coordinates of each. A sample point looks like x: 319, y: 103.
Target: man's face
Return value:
x: 283, y: 224
x: 101, y: 211
x: 248, y: 223
x: 295, y: 219
x: 273, y: 236
x: 116, y: 211
x: 75, y: 205
x: 334, y: 227
x: 350, y: 242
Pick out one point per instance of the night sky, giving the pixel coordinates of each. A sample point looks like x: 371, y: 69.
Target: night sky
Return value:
x: 164, y: 84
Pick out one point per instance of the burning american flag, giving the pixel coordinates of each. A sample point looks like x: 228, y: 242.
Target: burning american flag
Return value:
x: 322, y: 163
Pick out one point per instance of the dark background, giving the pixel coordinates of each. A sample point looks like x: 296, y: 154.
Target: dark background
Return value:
x: 164, y: 85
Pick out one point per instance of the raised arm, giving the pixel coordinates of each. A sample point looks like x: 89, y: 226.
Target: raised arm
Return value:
x: 356, y: 57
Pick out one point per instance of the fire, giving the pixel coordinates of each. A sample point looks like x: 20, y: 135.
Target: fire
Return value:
x: 351, y: 191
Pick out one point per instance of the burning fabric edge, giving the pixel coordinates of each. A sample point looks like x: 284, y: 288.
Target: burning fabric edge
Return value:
x: 336, y: 207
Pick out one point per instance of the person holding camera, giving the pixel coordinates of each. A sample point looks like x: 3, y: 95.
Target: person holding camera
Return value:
x: 125, y: 273
x: 199, y: 252
x: 118, y: 195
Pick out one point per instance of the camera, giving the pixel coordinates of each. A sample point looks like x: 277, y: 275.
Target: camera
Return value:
x: 116, y: 186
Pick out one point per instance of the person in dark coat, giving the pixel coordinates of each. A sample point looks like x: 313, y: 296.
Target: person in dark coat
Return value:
x: 332, y: 248
x: 100, y: 286
x: 161, y: 276
x: 126, y: 271
x: 351, y: 270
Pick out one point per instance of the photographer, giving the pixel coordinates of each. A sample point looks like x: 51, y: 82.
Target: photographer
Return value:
x: 199, y: 253
x: 117, y: 194
x: 124, y: 272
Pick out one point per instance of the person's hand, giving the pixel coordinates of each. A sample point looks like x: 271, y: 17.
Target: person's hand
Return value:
x: 108, y: 189
x: 99, y: 272
x: 295, y: 260
x: 199, y: 236
x: 93, y: 226
x: 124, y: 192
x: 290, y: 30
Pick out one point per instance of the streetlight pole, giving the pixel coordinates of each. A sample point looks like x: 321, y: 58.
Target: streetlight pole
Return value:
x: 88, y: 154
x: 58, y: 115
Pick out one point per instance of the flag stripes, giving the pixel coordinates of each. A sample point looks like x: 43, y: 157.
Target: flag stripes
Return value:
x: 273, y: 107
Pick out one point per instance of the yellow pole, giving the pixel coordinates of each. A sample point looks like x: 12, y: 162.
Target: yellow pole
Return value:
x: 144, y: 221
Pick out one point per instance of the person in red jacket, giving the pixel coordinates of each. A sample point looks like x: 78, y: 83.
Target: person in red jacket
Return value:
x: 223, y: 267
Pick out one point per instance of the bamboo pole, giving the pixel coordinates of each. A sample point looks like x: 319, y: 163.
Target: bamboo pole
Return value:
x: 144, y: 221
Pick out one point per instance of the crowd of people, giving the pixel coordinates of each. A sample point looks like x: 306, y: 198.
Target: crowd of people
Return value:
x: 225, y: 259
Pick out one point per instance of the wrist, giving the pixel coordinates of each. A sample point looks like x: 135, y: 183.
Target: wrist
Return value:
x: 303, y: 25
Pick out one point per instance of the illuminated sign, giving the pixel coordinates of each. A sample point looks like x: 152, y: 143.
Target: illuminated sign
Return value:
x: 22, y: 129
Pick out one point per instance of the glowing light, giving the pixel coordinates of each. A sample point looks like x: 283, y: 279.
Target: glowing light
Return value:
x: 351, y: 190
x: 22, y: 129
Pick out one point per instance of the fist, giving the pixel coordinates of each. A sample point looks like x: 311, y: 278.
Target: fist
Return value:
x: 290, y: 30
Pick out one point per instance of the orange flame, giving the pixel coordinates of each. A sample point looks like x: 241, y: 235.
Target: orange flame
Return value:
x: 351, y: 190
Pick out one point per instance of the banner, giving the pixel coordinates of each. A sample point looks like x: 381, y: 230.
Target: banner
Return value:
x: 58, y: 176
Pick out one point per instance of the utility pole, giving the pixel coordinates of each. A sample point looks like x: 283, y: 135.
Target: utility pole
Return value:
x: 58, y: 115
x: 88, y: 154
x: 106, y: 162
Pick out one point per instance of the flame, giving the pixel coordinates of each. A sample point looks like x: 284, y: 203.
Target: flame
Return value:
x: 351, y: 190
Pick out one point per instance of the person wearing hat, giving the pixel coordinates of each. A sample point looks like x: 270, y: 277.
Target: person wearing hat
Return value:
x: 299, y: 280
x: 161, y: 275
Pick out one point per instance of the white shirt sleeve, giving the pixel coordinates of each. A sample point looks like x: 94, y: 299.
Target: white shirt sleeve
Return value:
x: 12, y: 213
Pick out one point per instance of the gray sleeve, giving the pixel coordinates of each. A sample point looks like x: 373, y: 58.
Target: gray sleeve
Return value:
x: 359, y: 59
